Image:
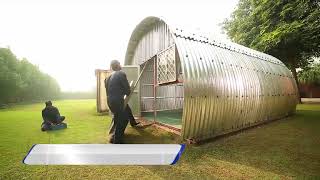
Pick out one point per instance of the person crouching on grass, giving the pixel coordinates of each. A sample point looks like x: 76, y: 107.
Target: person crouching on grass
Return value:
x: 51, y: 116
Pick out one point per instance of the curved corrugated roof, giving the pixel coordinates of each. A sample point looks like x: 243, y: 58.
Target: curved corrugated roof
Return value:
x: 147, y: 23
x: 226, y: 86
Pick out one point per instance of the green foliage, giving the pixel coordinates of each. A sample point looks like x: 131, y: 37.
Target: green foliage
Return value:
x: 22, y: 81
x: 310, y: 75
x: 288, y: 30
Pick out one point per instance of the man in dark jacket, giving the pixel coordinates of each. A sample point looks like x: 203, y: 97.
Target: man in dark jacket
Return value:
x: 50, y: 116
x: 117, y: 87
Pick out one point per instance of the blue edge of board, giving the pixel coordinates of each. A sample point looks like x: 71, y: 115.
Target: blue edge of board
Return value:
x: 183, y: 146
x: 28, y: 153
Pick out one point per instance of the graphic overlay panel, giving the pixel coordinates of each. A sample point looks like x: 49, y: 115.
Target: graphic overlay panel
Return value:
x: 104, y: 154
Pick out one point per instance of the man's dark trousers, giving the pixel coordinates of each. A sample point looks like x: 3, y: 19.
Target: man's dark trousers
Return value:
x: 119, y: 119
x: 129, y: 116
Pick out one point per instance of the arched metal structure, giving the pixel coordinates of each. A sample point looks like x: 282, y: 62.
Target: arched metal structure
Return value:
x: 226, y: 87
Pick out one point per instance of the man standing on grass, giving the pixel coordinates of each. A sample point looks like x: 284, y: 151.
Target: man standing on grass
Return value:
x: 117, y: 86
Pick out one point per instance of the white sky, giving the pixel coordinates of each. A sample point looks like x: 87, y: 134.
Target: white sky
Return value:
x: 70, y: 39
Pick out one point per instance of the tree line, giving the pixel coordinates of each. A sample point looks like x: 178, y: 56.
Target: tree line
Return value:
x: 310, y: 75
x: 78, y: 95
x: 21, y: 81
x: 288, y: 30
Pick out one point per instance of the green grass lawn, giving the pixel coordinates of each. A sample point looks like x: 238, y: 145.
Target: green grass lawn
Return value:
x: 284, y: 149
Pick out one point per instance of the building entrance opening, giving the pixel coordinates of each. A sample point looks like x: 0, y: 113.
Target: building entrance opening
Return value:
x: 161, y: 91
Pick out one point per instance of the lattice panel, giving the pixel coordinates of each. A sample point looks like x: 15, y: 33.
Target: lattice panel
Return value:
x: 166, y: 66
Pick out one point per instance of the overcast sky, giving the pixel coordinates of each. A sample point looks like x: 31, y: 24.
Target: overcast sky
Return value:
x: 70, y: 39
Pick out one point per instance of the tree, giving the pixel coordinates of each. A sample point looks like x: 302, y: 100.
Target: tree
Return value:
x: 10, y: 80
x: 22, y: 81
x: 310, y: 75
x: 286, y: 29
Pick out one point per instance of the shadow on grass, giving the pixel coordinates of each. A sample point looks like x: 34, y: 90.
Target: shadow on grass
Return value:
x: 56, y: 132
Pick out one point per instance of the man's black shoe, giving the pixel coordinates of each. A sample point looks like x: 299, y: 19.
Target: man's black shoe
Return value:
x: 135, y: 124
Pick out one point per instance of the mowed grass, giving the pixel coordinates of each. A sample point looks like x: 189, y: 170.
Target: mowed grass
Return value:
x: 283, y: 149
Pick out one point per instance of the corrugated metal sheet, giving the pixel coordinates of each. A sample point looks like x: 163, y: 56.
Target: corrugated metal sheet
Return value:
x: 226, y: 86
x: 146, y: 42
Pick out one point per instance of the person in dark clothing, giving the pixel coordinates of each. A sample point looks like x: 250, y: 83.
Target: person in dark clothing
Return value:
x: 117, y: 86
x: 51, y: 116
x: 129, y: 116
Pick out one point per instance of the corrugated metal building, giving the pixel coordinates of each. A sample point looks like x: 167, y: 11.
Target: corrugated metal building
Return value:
x: 202, y: 88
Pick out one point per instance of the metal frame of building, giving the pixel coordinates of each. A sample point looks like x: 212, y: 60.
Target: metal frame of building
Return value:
x: 225, y: 86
